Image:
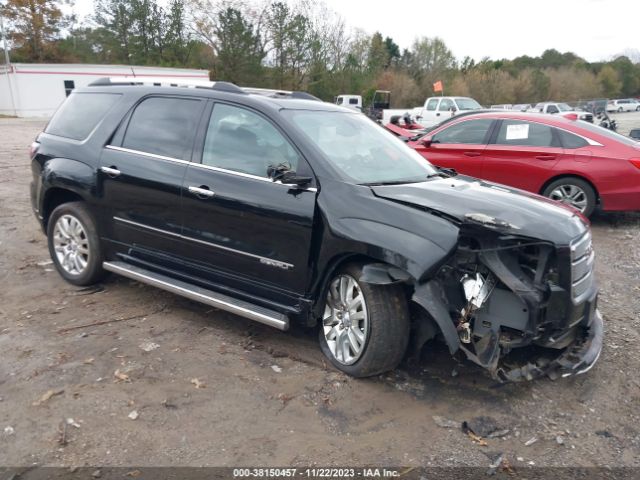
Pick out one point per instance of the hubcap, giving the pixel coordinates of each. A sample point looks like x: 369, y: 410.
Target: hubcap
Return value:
x: 71, y: 244
x: 345, y: 321
x: 571, y: 195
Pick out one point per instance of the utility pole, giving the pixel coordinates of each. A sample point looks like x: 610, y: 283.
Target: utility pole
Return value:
x: 7, y: 63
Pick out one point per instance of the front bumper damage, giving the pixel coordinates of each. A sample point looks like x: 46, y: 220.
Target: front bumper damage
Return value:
x: 519, y: 307
x: 575, y: 359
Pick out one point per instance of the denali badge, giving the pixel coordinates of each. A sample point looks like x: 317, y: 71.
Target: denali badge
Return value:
x: 275, y: 263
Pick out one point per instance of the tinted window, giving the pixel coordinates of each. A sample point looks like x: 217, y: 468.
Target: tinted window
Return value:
x: 445, y: 105
x: 353, y: 101
x: 243, y: 141
x: 163, y: 126
x: 433, y: 103
x: 552, y: 109
x: 569, y: 140
x: 517, y: 132
x: 80, y: 113
x: 471, y: 132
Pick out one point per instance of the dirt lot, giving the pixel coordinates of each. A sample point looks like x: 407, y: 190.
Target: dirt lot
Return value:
x: 214, y: 389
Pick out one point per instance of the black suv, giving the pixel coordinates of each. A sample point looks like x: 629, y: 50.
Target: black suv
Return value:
x: 282, y: 208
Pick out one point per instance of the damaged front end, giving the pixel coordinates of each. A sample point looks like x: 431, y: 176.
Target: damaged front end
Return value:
x: 518, y: 306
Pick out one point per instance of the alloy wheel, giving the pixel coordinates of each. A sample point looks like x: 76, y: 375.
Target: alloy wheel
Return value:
x: 570, y: 195
x: 71, y: 244
x: 345, y: 321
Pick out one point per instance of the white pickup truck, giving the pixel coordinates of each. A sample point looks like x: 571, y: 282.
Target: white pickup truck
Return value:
x: 434, y: 110
x: 562, y: 109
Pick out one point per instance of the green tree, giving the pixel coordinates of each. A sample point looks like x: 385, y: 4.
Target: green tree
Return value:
x: 378, y: 55
x: 430, y: 59
x: 33, y: 28
x: 609, y: 81
x: 238, y: 49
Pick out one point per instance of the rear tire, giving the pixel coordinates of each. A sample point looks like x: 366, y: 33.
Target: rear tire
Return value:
x: 74, y: 244
x: 370, y: 338
x: 574, y: 192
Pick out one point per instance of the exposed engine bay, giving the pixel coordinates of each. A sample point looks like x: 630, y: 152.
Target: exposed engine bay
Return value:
x: 513, y: 304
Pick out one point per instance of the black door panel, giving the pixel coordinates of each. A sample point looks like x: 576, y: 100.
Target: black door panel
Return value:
x: 250, y: 227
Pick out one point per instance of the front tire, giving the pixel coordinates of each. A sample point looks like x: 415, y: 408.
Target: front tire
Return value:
x: 365, y: 328
x: 574, y: 192
x: 74, y: 244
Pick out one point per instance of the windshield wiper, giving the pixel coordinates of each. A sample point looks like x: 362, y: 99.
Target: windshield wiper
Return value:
x: 397, y: 182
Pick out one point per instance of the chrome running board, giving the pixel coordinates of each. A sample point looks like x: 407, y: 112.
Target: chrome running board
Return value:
x: 199, y: 294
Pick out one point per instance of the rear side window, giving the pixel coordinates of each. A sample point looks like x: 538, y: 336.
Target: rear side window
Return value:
x: 471, y: 132
x: 353, y: 101
x: 433, y: 103
x: 569, y: 140
x: 164, y: 126
x: 529, y: 134
x: 80, y: 113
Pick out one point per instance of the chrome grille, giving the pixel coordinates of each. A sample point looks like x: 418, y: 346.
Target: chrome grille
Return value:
x: 582, y: 258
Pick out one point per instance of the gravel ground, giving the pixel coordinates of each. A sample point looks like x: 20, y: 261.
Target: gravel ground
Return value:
x: 166, y: 381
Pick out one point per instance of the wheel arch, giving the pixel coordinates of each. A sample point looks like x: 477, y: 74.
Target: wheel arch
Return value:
x: 570, y: 175
x: 54, y: 197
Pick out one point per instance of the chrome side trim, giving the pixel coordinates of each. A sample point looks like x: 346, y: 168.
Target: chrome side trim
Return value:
x: 193, y: 292
x: 264, y: 260
x: 206, y: 167
x: 146, y: 154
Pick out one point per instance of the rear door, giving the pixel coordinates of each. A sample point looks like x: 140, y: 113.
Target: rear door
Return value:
x: 141, y: 175
x: 241, y: 226
x: 428, y: 116
x: 521, y: 154
x: 460, y: 146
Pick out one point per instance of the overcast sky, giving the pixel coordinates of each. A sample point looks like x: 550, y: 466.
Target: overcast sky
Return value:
x: 593, y: 29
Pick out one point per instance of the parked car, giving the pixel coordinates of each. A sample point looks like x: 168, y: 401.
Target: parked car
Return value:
x: 521, y: 107
x: 435, y: 109
x: 281, y: 208
x: 561, y: 109
x: 623, y: 105
x: 570, y: 161
x: 504, y: 106
x: 352, y: 102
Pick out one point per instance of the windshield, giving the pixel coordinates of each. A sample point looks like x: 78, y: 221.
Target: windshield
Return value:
x: 360, y: 149
x: 563, y: 107
x: 467, y: 104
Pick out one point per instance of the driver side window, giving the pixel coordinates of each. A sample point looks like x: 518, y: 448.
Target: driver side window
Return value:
x: 552, y: 109
x: 243, y: 141
x: 471, y: 132
x: 433, y: 103
x: 445, y: 105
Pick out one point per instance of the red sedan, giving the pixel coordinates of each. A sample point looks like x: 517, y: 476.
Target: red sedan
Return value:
x: 570, y: 161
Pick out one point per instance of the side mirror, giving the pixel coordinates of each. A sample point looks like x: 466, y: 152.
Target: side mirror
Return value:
x: 454, y: 109
x: 293, y: 179
x: 426, y: 141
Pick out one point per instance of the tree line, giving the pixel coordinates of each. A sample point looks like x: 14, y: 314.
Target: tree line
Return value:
x: 297, y: 46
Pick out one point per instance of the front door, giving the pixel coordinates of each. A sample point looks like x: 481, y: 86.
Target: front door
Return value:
x: 460, y: 146
x: 522, y: 154
x: 141, y: 173
x: 241, y: 226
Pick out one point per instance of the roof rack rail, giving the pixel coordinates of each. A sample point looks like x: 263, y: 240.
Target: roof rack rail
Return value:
x: 196, y: 83
x: 167, y: 82
x: 269, y: 92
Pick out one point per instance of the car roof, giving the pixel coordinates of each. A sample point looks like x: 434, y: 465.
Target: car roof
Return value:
x: 273, y: 98
x: 515, y: 115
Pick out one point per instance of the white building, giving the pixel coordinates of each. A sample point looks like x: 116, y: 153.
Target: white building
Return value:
x: 37, y: 89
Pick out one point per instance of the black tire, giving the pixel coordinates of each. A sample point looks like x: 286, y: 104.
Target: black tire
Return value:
x: 388, y: 327
x: 93, y: 271
x: 590, y: 194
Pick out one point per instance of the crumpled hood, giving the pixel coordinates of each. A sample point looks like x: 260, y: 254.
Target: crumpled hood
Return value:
x: 476, y: 201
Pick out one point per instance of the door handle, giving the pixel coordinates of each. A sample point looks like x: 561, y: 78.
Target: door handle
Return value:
x: 202, y: 191
x: 112, y: 171
x: 437, y: 114
x: 546, y: 157
x: 472, y: 154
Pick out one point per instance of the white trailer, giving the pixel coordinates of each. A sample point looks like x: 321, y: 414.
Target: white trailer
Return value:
x: 36, y: 90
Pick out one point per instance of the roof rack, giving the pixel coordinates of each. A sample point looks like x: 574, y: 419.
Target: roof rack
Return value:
x: 195, y: 83
x: 167, y: 82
